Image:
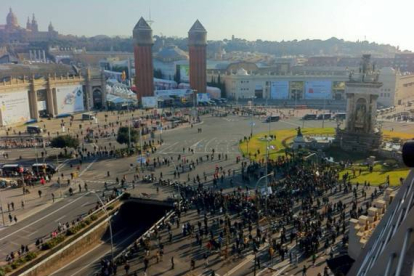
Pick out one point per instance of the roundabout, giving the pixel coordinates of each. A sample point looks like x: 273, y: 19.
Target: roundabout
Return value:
x: 351, y: 163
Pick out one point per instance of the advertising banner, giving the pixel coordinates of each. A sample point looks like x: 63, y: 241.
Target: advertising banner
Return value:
x: 318, y: 90
x: 203, y: 97
x: 149, y: 102
x: 173, y: 92
x: 69, y: 99
x: 41, y: 105
x: 279, y: 90
x: 185, y: 72
x: 14, y: 107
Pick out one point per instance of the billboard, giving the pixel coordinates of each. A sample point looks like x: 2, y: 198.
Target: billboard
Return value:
x: 279, y: 90
x: 69, y: 99
x: 318, y: 90
x: 174, y: 92
x: 203, y: 97
x: 149, y: 102
x: 184, y: 73
x: 14, y: 107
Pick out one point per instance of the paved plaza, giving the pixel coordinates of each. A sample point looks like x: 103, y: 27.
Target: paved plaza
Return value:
x: 181, y: 146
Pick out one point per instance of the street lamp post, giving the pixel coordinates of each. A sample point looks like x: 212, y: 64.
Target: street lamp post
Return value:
x: 2, y: 211
x: 110, y: 223
x: 251, y: 117
x: 257, y: 183
x: 323, y: 114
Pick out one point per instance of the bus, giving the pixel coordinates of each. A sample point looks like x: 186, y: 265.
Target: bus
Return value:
x: 339, y: 116
x: 272, y: 119
x: 309, y: 117
x: 12, y: 170
x: 325, y: 116
x: 44, y: 168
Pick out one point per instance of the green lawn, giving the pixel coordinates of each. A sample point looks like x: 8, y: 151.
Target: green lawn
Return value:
x: 284, y: 138
x: 378, y: 176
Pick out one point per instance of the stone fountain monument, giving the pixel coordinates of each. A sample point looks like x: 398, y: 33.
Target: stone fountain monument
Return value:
x: 362, y: 90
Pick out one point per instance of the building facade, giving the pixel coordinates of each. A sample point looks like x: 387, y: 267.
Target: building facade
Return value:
x: 28, y: 97
x: 13, y: 33
x: 286, y: 86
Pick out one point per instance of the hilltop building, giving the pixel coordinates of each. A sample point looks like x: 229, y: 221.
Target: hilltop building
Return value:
x: 12, y: 32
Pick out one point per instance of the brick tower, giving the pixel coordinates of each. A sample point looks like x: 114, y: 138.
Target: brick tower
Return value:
x: 197, y: 43
x: 144, y: 72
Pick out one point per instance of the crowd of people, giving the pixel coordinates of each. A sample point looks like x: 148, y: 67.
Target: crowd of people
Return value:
x: 298, y: 216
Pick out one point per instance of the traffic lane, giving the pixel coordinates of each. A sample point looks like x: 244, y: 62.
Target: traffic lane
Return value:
x: 43, y: 223
x: 89, y: 263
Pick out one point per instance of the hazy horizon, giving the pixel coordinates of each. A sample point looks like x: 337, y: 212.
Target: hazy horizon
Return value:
x: 383, y: 22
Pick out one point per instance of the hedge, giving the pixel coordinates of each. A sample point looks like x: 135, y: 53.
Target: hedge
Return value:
x: 53, y: 242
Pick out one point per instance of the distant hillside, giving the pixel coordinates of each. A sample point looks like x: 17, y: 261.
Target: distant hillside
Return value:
x: 329, y: 47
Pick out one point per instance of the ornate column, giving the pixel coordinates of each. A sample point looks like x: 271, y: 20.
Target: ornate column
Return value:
x: 49, y: 98
x: 34, y: 112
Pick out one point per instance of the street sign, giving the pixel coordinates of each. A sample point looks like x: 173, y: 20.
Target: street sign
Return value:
x: 252, y: 123
x: 141, y: 160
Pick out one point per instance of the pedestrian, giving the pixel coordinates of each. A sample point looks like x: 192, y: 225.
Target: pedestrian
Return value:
x: 172, y: 262
x: 192, y: 264
x: 22, y: 204
x: 40, y: 193
x: 304, y: 270
x: 80, y: 188
x: 126, y: 267
x: 15, y: 219
x: 10, y: 218
x: 53, y: 197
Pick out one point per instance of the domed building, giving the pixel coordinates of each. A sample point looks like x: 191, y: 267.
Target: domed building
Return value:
x: 169, y: 59
x: 13, y: 33
x: 11, y: 21
x: 171, y: 53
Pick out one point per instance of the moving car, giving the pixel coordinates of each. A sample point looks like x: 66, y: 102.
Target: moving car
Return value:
x: 34, y: 129
x: 272, y: 119
x: 88, y: 116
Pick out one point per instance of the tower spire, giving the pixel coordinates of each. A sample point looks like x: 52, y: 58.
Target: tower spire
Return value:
x: 149, y: 21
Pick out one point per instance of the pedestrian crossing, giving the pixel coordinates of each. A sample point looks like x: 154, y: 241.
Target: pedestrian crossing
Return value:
x: 202, y: 146
x: 231, y: 119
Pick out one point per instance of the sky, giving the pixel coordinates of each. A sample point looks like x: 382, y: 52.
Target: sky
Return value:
x: 381, y: 21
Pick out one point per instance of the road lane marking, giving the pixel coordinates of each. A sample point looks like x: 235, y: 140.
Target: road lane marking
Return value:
x: 93, y: 261
x: 33, y: 233
x: 42, y: 218
x: 289, y: 123
x: 59, y: 219
x: 205, y: 148
x: 240, y: 265
x: 87, y: 168
x: 163, y: 150
x: 86, y: 203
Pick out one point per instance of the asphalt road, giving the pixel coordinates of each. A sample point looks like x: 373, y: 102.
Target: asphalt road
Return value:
x: 219, y: 133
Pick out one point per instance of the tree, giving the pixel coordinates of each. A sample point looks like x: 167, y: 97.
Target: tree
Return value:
x: 158, y: 74
x: 64, y: 141
x: 123, y: 136
x: 177, y: 76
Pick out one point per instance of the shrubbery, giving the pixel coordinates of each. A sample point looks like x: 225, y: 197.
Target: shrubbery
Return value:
x: 53, y: 242
x: 19, y: 262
